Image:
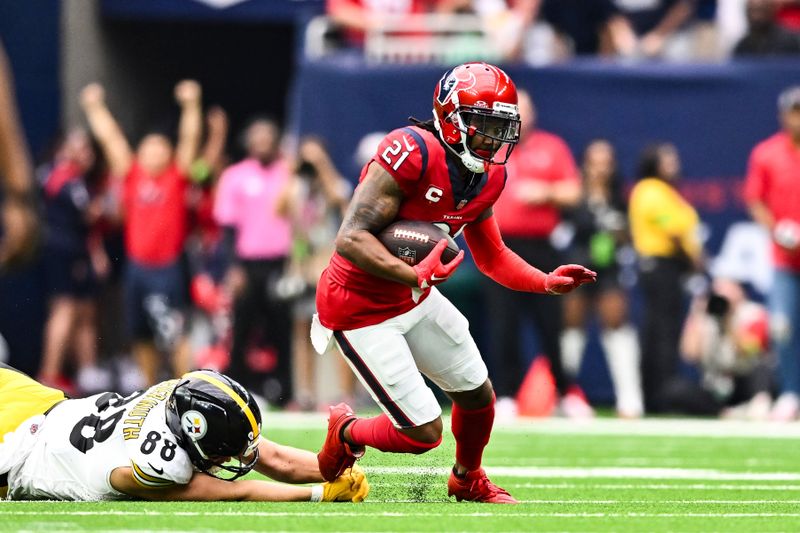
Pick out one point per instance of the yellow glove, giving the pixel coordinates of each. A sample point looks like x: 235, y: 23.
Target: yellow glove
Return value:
x: 352, y: 486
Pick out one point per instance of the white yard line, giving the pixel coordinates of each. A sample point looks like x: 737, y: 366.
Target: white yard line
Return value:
x: 686, y: 427
x: 600, y: 472
x: 644, y: 486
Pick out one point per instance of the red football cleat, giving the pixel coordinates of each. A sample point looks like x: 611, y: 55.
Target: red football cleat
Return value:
x: 476, y: 487
x: 336, y: 455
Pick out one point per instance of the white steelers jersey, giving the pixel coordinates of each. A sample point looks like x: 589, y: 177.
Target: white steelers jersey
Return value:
x: 82, y: 441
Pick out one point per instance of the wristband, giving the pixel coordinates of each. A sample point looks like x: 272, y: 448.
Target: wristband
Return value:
x: 316, y: 493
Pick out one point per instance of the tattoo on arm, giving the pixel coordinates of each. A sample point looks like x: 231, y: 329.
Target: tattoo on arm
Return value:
x: 374, y: 204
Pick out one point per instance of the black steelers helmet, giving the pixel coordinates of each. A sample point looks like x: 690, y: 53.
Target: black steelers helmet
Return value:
x: 217, y: 422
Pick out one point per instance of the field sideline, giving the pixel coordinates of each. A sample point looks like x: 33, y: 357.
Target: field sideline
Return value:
x: 655, y: 475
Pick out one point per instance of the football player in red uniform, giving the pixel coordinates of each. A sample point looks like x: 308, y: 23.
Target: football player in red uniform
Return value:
x: 387, y: 318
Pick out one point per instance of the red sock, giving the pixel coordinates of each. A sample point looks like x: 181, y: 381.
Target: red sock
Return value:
x: 472, y: 429
x: 380, y: 433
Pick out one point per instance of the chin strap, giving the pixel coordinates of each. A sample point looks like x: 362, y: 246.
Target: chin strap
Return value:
x: 472, y: 163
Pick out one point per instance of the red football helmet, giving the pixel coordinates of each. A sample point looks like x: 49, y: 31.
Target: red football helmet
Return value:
x: 477, y: 99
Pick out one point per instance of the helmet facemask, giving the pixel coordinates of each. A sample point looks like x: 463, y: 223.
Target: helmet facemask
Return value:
x: 501, y: 130
x: 224, y: 467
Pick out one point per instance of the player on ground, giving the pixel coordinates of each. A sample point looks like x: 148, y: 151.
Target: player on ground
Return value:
x: 386, y: 317
x: 182, y: 439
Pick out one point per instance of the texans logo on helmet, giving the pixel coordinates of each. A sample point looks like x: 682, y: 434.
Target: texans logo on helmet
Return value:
x: 451, y: 83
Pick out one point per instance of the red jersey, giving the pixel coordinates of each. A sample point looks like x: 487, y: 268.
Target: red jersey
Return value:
x: 773, y: 178
x: 350, y: 298
x: 156, y: 215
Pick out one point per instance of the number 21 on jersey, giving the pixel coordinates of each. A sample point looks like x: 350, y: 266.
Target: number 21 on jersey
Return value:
x: 391, y: 152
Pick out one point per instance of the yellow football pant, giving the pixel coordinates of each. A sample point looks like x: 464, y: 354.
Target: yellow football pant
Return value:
x: 21, y: 398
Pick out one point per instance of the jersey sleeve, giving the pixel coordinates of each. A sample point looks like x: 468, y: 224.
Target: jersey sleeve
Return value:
x: 157, y: 460
x: 403, y: 154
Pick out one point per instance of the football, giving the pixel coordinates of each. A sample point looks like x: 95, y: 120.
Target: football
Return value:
x: 412, y: 241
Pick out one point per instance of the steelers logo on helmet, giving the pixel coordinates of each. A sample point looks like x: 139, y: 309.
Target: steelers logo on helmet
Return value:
x: 194, y: 424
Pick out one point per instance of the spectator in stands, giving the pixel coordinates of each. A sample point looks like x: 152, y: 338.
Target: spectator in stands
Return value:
x: 19, y: 222
x: 664, y: 228
x: 357, y: 17
x: 545, y: 31
x: 210, y: 322
x: 725, y: 334
x: 205, y: 173
x: 155, y: 218
x: 772, y: 189
x: 257, y: 241
x: 601, y: 241
x: 314, y: 201
x: 542, y: 180
x: 765, y: 36
x: 664, y: 28
x: 74, y: 263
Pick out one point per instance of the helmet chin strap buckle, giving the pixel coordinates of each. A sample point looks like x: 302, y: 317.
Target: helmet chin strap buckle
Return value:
x: 473, y: 164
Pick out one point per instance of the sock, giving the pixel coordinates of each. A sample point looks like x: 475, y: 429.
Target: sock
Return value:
x: 621, y: 347
x: 472, y: 429
x: 379, y: 432
x: 573, y: 344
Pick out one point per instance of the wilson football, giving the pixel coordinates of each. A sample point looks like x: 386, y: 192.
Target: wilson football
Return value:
x: 412, y: 240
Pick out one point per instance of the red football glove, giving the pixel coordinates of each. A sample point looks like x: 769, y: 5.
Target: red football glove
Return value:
x: 431, y: 271
x: 567, y: 278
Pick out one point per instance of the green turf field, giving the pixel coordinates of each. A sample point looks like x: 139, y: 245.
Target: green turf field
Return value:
x: 604, y: 475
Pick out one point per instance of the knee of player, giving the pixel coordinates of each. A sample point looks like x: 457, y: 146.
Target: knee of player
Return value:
x: 433, y: 432
x: 425, y: 437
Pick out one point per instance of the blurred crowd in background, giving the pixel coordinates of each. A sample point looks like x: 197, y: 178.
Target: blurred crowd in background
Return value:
x: 539, y: 32
x: 200, y: 247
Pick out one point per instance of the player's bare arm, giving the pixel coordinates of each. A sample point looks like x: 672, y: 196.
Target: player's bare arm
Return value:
x: 375, y: 204
x: 203, y: 487
x: 287, y: 464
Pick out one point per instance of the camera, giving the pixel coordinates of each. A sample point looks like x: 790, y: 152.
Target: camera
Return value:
x: 306, y: 170
x: 717, y: 305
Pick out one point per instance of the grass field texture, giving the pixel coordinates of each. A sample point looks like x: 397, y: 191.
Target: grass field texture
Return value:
x: 603, y: 475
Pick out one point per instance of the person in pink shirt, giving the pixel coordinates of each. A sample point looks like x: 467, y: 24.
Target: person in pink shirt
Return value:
x: 257, y: 241
x: 772, y: 193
